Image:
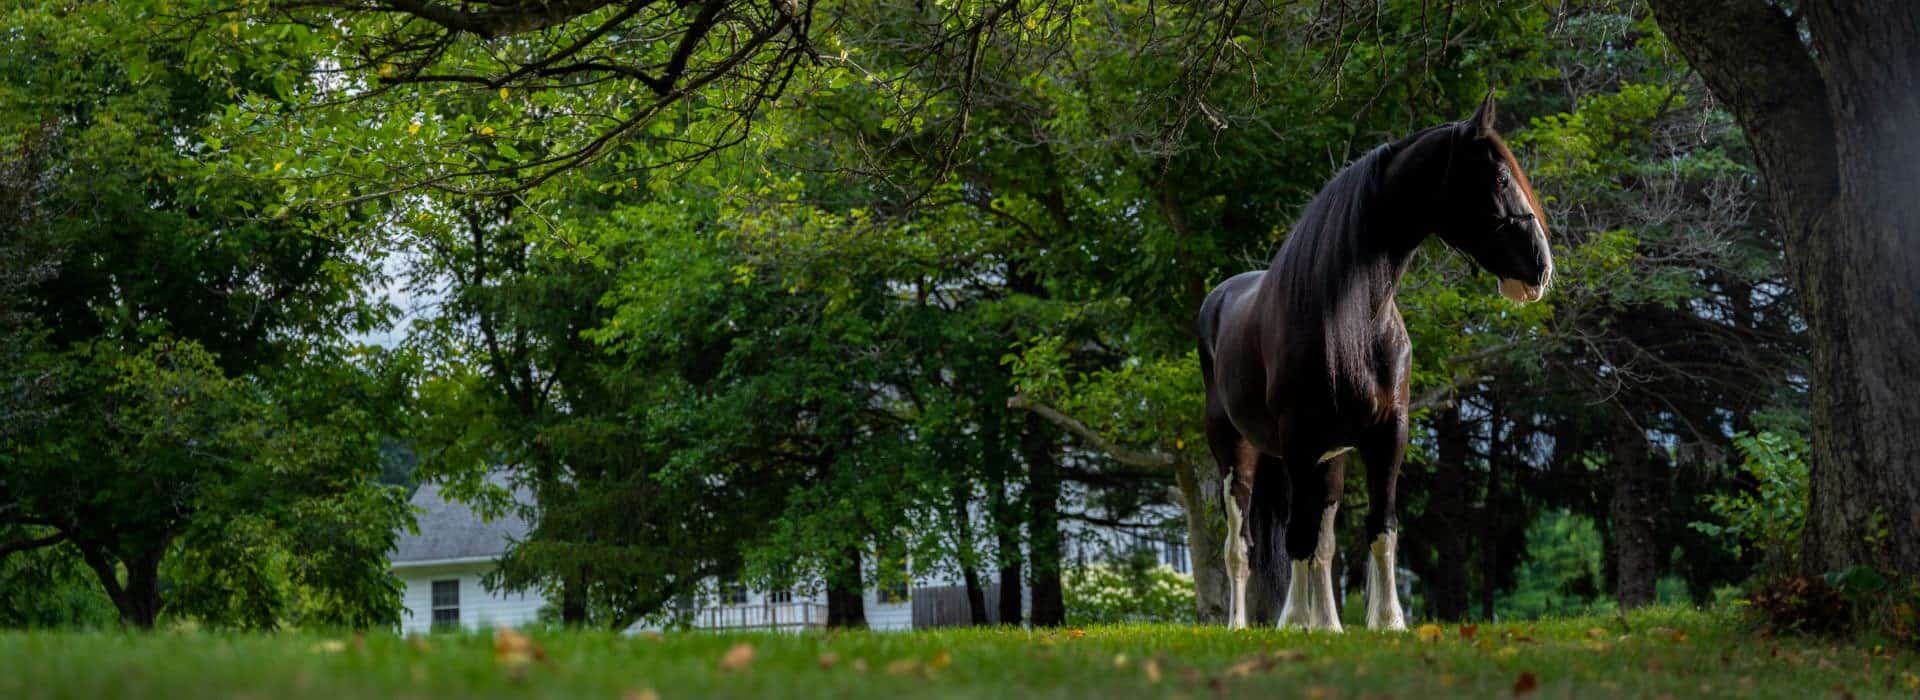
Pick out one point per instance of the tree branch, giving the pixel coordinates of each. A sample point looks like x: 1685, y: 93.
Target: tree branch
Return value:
x: 1751, y: 55
x: 11, y: 548
x: 1137, y: 458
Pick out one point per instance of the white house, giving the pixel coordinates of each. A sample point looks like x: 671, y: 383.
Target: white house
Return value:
x: 442, y: 566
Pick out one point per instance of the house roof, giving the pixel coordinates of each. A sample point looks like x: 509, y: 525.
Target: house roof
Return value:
x: 452, y: 531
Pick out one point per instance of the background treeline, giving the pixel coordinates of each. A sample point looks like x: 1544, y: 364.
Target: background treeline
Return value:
x: 918, y: 296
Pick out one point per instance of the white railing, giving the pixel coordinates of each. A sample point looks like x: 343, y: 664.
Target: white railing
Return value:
x: 767, y: 616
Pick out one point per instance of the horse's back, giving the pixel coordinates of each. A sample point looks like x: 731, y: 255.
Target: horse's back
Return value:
x: 1224, y: 298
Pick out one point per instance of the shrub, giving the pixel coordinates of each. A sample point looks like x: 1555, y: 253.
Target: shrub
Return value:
x: 1770, y: 517
x: 1131, y: 591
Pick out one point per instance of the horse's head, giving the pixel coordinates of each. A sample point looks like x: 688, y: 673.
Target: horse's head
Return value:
x: 1491, y: 212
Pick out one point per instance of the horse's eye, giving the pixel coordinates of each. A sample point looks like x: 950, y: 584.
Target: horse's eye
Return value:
x: 1502, y: 180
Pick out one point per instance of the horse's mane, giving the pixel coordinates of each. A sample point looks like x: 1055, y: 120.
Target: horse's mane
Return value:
x: 1331, y: 269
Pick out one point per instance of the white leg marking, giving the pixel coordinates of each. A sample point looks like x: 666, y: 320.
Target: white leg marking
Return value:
x: 1310, y: 603
x: 1383, y: 596
x: 1236, y: 564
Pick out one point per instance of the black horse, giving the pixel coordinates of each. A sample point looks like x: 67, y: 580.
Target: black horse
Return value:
x: 1309, y: 359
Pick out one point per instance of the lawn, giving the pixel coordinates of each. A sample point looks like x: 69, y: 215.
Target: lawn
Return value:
x: 1652, y: 653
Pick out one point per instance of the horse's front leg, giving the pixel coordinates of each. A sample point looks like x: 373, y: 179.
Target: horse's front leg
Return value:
x: 1382, y: 447
x: 1317, y: 488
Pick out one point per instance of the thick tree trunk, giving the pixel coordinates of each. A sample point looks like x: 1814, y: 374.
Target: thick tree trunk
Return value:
x: 1200, y: 497
x: 1833, y: 132
x: 1635, y: 561
x: 1866, y: 480
x: 846, y: 597
x: 138, y: 601
x: 1043, y: 524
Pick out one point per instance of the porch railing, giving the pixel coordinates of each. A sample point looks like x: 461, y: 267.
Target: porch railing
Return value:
x: 768, y: 616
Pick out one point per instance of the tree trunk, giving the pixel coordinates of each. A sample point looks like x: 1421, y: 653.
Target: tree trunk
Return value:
x: 573, y: 602
x: 1832, y: 132
x: 1447, y: 590
x: 846, y: 601
x: 138, y: 602
x: 1200, y: 497
x: 969, y: 557
x: 1635, y: 557
x: 1043, y: 524
x: 1006, y: 546
x: 1492, y: 514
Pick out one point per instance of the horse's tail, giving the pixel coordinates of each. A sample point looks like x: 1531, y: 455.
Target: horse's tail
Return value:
x: 1267, y: 524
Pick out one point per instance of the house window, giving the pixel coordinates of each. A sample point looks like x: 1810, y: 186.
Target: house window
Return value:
x: 732, y: 593
x: 1177, y: 555
x: 783, y: 595
x: 895, y: 593
x: 446, y: 604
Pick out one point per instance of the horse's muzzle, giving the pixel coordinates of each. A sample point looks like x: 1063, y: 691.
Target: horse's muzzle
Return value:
x: 1522, y: 292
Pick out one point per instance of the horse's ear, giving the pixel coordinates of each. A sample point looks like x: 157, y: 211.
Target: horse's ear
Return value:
x: 1482, y: 120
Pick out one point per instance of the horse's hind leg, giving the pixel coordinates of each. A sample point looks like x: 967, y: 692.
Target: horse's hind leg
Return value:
x: 1236, y: 458
x: 1382, y: 447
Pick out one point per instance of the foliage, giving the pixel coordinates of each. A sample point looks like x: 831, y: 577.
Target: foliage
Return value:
x: 1770, y: 516
x: 1563, y: 573
x: 214, y: 434
x: 1127, y: 591
x: 51, y: 588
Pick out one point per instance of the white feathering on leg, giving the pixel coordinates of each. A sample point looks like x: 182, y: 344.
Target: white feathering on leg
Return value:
x: 1383, y: 596
x: 1310, y: 604
x: 1236, y: 557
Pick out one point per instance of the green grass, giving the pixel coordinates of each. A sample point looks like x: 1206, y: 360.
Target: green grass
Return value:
x: 1652, y: 653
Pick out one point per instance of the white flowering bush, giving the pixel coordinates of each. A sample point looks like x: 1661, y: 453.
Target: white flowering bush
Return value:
x: 1110, y: 593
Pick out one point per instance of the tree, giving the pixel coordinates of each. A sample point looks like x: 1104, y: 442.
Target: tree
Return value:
x: 1827, y: 95
x: 212, y: 418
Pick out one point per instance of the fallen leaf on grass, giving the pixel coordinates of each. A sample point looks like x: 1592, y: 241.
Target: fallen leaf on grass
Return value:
x: 1430, y: 632
x: 738, y: 658
x: 511, y: 648
x: 1525, y: 684
x: 1119, y: 660
x: 641, y: 694
x: 1910, y: 680
x: 859, y: 665
x: 1671, y: 634
x: 901, y: 667
x: 1076, y: 633
x: 1469, y: 631
x: 419, y: 643
x: 1595, y: 633
x: 1246, y: 666
x: 828, y: 659
x: 331, y: 646
x: 1152, y: 669
x: 941, y: 659
x: 1288, y: 655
